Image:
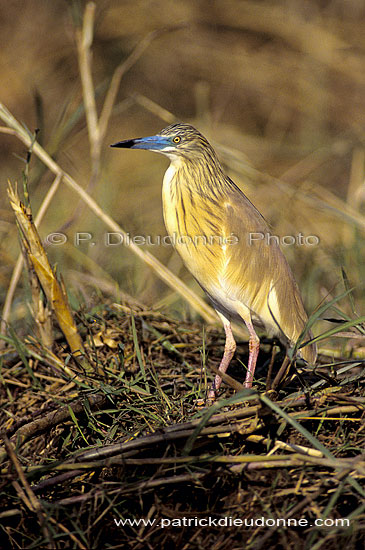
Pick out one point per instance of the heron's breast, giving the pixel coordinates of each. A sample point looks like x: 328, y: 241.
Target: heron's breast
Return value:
x: 195, y: 229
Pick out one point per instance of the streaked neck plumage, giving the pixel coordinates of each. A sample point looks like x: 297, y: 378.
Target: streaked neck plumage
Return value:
x: 200, y: 173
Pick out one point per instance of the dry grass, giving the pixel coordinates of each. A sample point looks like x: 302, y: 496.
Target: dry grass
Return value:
x: 112, y: 431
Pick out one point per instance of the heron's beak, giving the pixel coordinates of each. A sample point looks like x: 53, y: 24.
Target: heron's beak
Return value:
x: 152, y: 143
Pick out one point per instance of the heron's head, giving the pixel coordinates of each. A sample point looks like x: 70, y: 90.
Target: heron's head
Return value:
x: 174, y: 141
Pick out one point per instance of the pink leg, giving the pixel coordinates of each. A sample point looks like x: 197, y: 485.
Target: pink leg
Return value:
x: 229, y: 349
x: 254, y: 347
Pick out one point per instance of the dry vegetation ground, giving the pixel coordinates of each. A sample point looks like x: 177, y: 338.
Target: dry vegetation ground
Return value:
x: 127, y: 441
x: 99, y: 419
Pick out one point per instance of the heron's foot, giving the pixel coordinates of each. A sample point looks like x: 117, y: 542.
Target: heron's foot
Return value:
x: 212, y: 395
x: 210, y: 399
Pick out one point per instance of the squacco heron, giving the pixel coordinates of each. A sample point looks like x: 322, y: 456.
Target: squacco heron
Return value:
x: 211, y: 223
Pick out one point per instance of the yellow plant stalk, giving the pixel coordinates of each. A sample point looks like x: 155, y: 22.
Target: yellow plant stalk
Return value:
x: 54, y: 291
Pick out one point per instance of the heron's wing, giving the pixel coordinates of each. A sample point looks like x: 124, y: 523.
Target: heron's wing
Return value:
x: 257, y: 272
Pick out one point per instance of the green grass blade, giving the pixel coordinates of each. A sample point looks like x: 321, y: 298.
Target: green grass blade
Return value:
x: 138, y: 353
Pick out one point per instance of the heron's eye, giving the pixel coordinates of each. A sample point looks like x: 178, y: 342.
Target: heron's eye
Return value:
x: 176, y: 139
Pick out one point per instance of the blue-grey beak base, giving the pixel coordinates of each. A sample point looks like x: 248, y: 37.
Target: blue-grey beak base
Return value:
x: 151, y: 143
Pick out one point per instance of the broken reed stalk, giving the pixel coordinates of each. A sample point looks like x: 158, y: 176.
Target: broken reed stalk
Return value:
x: 41, y: 312
x: 36, y: 259
x: 19, y: 263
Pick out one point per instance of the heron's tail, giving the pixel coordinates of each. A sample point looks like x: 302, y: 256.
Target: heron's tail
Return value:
x: 293, y: 317
x: 309, y: 352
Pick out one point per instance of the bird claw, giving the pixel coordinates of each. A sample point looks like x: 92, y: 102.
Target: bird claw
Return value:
x: 208, y: 402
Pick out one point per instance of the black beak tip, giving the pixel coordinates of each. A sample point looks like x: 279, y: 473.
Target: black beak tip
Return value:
x: 127, y: 144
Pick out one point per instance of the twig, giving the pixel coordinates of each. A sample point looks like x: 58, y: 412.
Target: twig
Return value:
x: 84, y: 40
x: 282, y: 371
x: 33, y: 502
x: 140, y: 486
x: 227, y: 379
x: 52, y: 419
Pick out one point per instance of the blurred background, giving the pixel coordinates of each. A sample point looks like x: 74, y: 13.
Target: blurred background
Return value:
x: 277, y: 87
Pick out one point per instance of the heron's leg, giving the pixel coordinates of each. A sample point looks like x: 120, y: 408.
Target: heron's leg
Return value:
x: 229, y: 349
x: 254, y: 347
x: 253, y: 343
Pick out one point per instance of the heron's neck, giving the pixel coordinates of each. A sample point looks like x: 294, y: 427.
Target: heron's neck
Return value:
x: 201, y: 176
